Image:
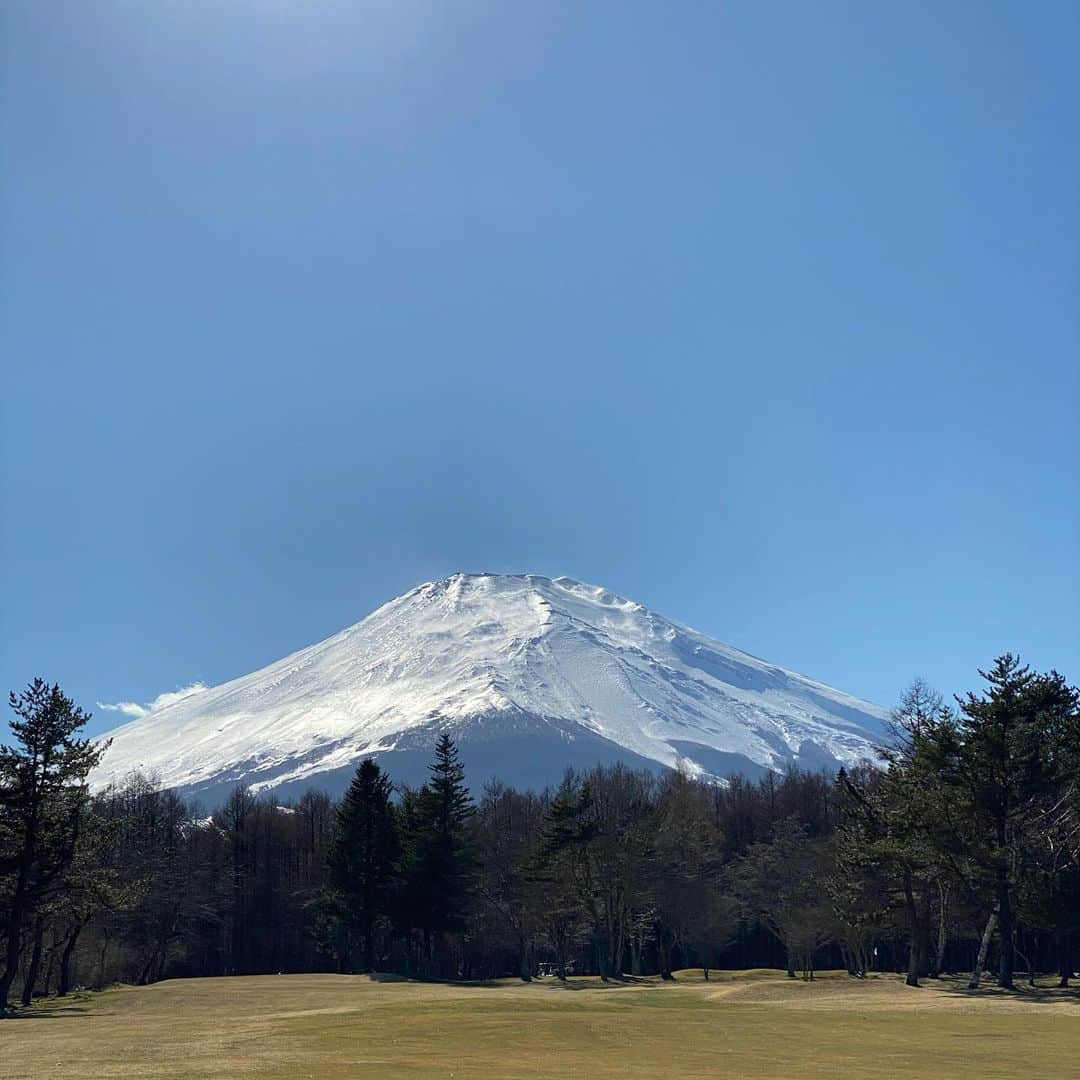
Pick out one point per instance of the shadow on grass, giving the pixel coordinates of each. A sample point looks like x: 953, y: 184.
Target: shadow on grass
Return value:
x: 574, y: 983
x: 415, y: 980
x: 65, y: 1012
x: 990, y: 990
x: 47, y: 1008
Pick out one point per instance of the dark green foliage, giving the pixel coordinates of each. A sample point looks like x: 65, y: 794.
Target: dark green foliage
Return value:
x: 890, y: 823
x: 438, y: 865
x: 981, y: 803
x: 968, y: 838
x: 1006, y: 769
x: 362, y: 867
x: 43, y: 808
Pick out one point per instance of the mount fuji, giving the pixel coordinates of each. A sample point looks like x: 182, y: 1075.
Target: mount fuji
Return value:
x: 528, y: 674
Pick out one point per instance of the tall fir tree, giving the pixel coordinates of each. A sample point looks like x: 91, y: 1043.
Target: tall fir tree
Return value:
x: 43, y: 802
x: 886, y: 832
x: 1005, y: 763
x: 362, y: 859
x: 439, y: 864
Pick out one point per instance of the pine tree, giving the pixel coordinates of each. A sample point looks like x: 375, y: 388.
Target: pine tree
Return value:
x: 997, y: 760
x: 43, y: 801
x: 1049, y: 887
x: 439, y: 866
x: 93, y: 886
x: 362, y: 858
x: 887, y: 830
x: 1007, y: 765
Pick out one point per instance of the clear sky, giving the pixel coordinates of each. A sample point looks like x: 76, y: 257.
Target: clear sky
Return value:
x: 764, y: 314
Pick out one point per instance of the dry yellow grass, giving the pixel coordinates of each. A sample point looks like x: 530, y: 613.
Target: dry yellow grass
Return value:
x: 739, y: 1024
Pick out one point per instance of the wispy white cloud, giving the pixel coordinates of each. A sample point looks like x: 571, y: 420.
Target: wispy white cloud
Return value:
x: 128, y: 708
x: 170, y: 697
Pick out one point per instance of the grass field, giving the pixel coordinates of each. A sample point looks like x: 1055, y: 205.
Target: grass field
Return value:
x: 756, y: 1024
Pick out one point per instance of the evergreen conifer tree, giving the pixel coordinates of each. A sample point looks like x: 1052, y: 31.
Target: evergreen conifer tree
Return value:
x: 43, y: 801
x: 1006, y: 764
x: 363, y: 856
x: 439, y: 866
x: 888, y: 822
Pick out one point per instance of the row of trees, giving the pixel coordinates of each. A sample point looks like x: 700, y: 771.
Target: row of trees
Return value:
x: 979, y: 806
x: 965, y: 841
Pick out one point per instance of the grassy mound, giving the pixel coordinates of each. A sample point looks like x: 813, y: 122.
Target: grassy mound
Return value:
x: 737, y: 1024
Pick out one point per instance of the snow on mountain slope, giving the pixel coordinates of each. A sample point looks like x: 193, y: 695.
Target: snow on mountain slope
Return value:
x: 527, y: 672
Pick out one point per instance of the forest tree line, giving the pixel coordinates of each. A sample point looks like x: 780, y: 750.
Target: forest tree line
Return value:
x: 958, y: 850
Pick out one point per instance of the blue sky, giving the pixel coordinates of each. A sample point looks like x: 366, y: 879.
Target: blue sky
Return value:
x: 763, y: 314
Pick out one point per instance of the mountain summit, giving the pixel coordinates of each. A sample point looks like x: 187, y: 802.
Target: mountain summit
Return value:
x: 528, y: 674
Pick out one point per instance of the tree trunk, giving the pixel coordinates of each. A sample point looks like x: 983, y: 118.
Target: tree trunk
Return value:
x: 49, y: 968
x: 148, y: 967
x: 923, y: 932
x: 984, y: 945
x: 617, y: 941
x: 663, y: 945
x: 939, y: 952
x: 369, y: 946
x: 1005, y: 921
x: 101, y: 963
x: 65, y: 961
x: 35, y: 962
x: 1064, y: 960
x: 11, y: 958
x: 914, y: 933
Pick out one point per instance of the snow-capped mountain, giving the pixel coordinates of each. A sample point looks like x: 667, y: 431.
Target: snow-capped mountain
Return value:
x: 529, y: 675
